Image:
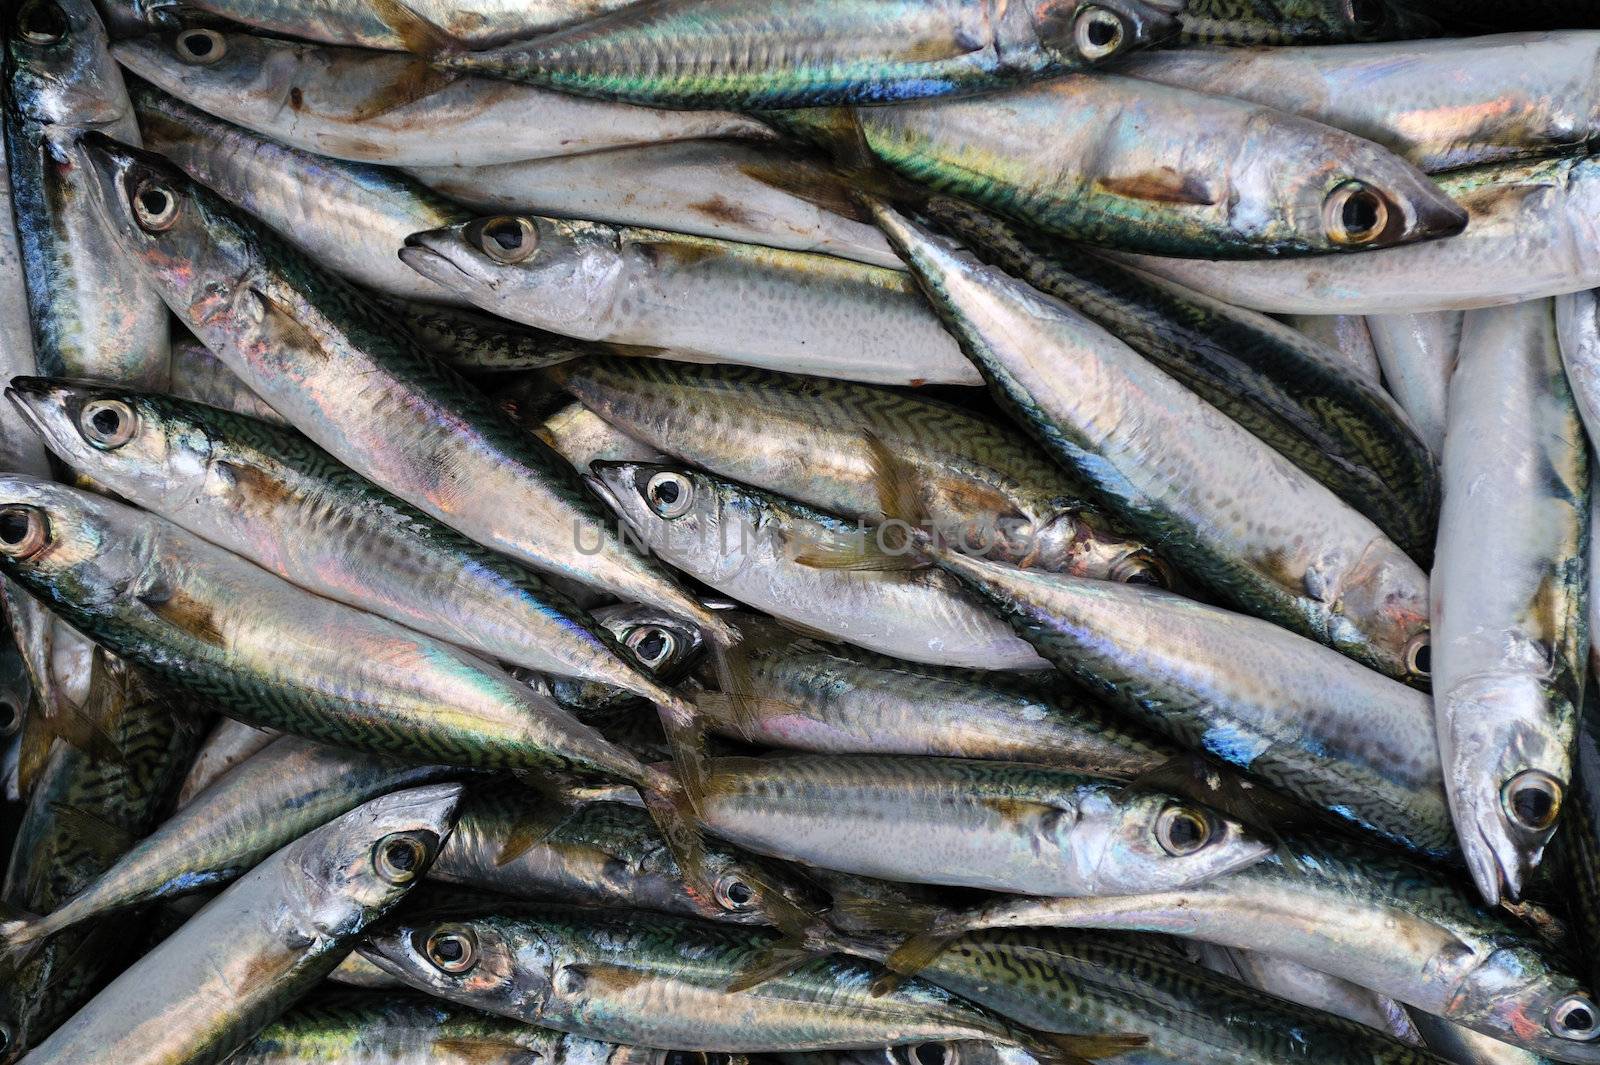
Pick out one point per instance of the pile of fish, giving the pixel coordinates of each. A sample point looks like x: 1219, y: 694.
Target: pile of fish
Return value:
x: 799, y: 532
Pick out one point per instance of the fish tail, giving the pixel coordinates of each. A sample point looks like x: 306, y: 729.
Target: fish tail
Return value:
x: 420, y: 36
x: 684, y: 726
x: 21, y: 933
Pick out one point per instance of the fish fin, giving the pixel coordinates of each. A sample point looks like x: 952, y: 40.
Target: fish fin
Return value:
x: 686, y: 735
x: 913, y: 956
x: 736, y: 679
x: 420, y: 36
x: 668, y: 805
x: 1550, y: 929
x: 868, y: 558
x: 478, y: 1051
x: 417, y: 81
x: 104, y: 837
x: 779, y: 959
x: 861, y: 912
x: 21, y: 933
x: 537, y: 821
x: 279, y: 325
x: 896, y: 482
x: 1051, y: 1048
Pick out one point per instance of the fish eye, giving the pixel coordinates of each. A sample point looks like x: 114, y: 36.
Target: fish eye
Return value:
x: 452, y: 948
x: 155, y: 206
x: 1365, y: 15
x: 1098, y: 32
x: 1532, y: 800
x: 23, y: 531
x: 10, y: 721
x: 1182, y: 830
x: 398, y: 858
x: 107, y: 423
x: 1354, y: 213
x: 733, y: 893
x: 1419, y: 655
x: 1140, y: 569
x: 5, y: 1038
x: 669, y: 494
x: 652, y: 645
x: 1575, y: 1017
x: 42, y: 22
x: 507, y: 238
x: 200, y: 47
x: 923, y: 1054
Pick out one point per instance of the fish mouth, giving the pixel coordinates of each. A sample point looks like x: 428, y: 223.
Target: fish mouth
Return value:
x: 1438, y: 218
x: 421, y: 255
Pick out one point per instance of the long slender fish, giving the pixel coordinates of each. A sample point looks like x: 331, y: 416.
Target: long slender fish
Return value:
x: 752, y: 546
x: 270, y: 496
x: 263, y: 943
x: 696, y: 297
x: 806, y: 438
x: 1128, y: 164
x: 757, y: 194
x: 1530, y: 233
x: 373, y: 107
x: 1418, y: 355
x: 348, y: 217
x: 1225, y: 507
x: 1347, y: 433
x: 1510, y: 583
x: 308, y: 344
x: 759, y: 54
x: 1439, y: 104
x: 1344, y: 334
x: 1399, y: 929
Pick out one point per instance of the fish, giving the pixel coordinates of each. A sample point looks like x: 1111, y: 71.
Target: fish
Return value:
x: 656, y: 980
x: 695, y: 298
x: 226, y: 745
x: 751, y: 193
x: 1510, y: 653
x: 1346, y: 335
x: 744, y: 55
x: 348, y: 217
x: 1347, y: 433
x: 1302, y: 22
x: 1418, y: 355
x: 753, y: 546
x: 201, y: 377
x: 306, y: 343
x: 232, y: 968
x: 1128, y: 164
x: 653, y: 641
x: 1439, y: 104
x: 1527, y: 237
x: 377, y: 107
x: 1393, y: 927
x: 1154, y: 452
x: 476, y: 343
x: 806, y: 439
x: 1307, y: 987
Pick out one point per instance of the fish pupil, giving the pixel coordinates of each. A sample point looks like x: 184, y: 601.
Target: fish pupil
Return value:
x: 1533, y: 806
x: 154, y: 201
x: 8, y: 720
x: 1423, y: 660
x: 667, y: 492
x: 43, y: 23
x: 13, y: 527
x: 403, y: 857
x: 198, y: 45
x: 652, y: 647
x: 1184, y: 833
x: 5, y: 1038
x: 739, y: 893
x: 106, y: 421
x: 1579, y: 1019
x: 928, y: 1054
x: 1366, y: 14
x: 1101, y: 33
x: 506, y: 234
x: 450, y: 950
x: 1360, y: 212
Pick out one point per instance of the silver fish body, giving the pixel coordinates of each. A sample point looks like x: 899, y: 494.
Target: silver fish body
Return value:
x: 228, y: 744
x: 1418, y: 355
x: 1346, y: 335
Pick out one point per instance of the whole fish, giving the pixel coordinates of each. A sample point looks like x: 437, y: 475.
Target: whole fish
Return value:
x: 750, y: 55
x: 753, y: 546
x: 228, y: 744
x: 757, y: 194
x: 1376, y: 921
x: 268, y: 495
x: 807, y: 439
x: 1302, y: 22
x: 1439, y: 104
x: 215, y: 983
x: 1527, y: 236
x: 695, y: 297
x: 287, y: 789
x: 1217, y: 499
x: 1418, y: 355
x: 1345, y: 335
x: 1510, y: 651
x: 306, y: 343
x: 659, y: 981
x: 93, y: 315
x: 374, y: 107
x: 998, y: 826
x: 1347, y: 433
x: 348, y: 217
x: 1112, y: 160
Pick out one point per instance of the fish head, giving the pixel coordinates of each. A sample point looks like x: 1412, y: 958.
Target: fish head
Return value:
x: 69, y: 547
x: 197, y: 63
x: 547, y: 272
x: 123, y: 439
x: 1148, y: 841
x: 700, y: 523
x: 1515, y: 991
x: 353, y: 869
x: 187, y: 240
x: 746, y: 890
x: 1507, y: 742
x: 61, y: 69
x: 659, y: 643
x: 479, y: 961
x: 1075, y: 32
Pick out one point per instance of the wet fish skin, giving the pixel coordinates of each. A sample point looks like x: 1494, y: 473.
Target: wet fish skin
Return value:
x: 805, y: 53
x: 201, y: 377
x: 1418, y: 355
x: 260, y: 945
x: 797, y: 311
x: 748, y: 545
x: 228, y: 744
x: 1151, y: 449
x: 997, y: 826
x: 1301, y: 22
x: 1114, y: 161
x: 806, y: 438
x: 373, y: 107
x: 482, y: 343
x: 1345, y: 335
x: 1307, y: 987
x: 306, y: 342
x: 1347, y: 433
x: 1510, y: 654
